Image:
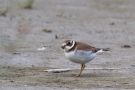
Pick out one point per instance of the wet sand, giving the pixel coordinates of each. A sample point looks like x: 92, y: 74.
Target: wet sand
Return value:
x: 100, y: 23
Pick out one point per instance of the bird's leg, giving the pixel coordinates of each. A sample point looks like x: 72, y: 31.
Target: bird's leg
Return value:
x: 82, y: 68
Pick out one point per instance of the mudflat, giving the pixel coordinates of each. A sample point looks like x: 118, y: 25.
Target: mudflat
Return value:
x: 99, y: 23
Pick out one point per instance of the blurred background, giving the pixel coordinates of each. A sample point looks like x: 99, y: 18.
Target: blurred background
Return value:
x: 27, y: 25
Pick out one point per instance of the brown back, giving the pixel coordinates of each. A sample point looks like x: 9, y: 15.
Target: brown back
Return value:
x: 85, y: 47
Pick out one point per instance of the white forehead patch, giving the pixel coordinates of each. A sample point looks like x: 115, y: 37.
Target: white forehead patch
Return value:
x: 63, y: 44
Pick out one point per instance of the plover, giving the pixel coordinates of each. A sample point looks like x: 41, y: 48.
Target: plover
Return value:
x: 80, y: 53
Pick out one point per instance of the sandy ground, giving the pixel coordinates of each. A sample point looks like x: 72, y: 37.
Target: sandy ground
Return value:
x: 100, y: 23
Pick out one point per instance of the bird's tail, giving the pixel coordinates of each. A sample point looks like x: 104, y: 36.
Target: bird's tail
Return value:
x: 103, y: 49
x: 106, y: 49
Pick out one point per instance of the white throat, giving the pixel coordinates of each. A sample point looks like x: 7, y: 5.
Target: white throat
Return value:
x: 69, y: 47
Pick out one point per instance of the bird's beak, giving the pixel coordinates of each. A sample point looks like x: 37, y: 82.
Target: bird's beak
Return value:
x: 63, y: 46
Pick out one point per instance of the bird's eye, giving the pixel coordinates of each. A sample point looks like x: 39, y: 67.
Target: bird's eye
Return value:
x: 68, y: 43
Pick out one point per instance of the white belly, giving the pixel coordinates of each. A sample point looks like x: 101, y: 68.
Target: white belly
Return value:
x: 79, y: 56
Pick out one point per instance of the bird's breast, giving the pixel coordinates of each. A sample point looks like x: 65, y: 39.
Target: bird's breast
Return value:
x: 80, y: 56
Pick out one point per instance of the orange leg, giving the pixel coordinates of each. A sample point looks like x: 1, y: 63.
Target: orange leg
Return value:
x: 82, y: 68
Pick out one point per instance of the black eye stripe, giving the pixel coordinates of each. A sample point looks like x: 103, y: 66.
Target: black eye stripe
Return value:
x: 68, y: 43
